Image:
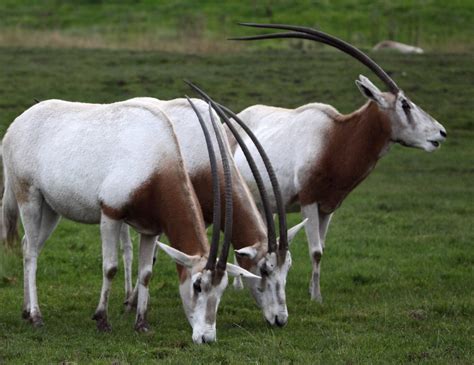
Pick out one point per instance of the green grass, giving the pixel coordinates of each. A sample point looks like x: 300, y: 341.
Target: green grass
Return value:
x: 397, y: 274
x: 432, y: 24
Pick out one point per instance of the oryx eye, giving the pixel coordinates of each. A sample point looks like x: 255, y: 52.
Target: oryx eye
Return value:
x: 197, y: 286
x: 405, y: 105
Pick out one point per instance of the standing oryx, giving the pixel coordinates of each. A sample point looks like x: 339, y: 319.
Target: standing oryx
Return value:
x: 320, y: 155
x: 111, y: 164
x: 256, y: 245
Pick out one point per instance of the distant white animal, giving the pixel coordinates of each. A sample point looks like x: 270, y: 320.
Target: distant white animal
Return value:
x: 111, y: 164
x: 256, y: 247
x: 397, y: 46
x: 320, y: 155
x: 2, y: 229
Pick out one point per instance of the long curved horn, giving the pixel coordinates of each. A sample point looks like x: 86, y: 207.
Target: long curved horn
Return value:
x: 283, y: 229
x: 318, y: 36
x: 216, y: 213
x: 221, y: 264
x: 272, y: 244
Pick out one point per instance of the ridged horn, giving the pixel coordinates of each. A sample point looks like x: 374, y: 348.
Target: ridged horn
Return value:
x: 272, y: 244
x: 221, y: 264
x: 216, y: 214
x: 318, y: 36
x: 283, y: 229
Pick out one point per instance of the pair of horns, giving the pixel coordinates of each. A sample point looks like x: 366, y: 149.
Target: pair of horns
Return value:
x: 225, y: 113
x: 318, y: 36
x: 216, y: 215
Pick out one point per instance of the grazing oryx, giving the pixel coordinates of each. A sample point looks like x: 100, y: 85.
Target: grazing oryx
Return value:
x: 320, y: 155
x: 397, y: 46
x: 111, y: 164
x: 256, y: 246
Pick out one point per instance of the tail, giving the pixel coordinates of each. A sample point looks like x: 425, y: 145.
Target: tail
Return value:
x: 9, y: 214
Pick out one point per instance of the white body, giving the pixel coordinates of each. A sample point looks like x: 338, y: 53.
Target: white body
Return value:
x: 320, y: 155
x: 55, y: 144
x: 397, y: 46
x: 303, y: 130
x: 270, y: 297
x: 102, y: 164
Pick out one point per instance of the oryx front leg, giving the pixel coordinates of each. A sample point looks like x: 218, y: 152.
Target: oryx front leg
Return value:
x: 132, y: 299
x: 238, y: 283
x: 315, y: 247
x: 147, y: 247
x: 110, y: 234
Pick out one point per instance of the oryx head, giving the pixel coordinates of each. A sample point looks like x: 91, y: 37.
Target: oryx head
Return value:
x: 273, y: 263
x: 273, y: 267
x: 205, y: 277
x: 410, y: 125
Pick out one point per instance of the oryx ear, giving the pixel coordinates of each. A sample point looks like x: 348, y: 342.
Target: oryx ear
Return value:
x: 370, y: 91
x: 235, y: 270
x: 295, y: 229
x: 249, y: 252
x: 178, y: 256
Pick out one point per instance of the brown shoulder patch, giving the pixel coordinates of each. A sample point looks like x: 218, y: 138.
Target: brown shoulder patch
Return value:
x: 248, y: 227
x: 353, y: 148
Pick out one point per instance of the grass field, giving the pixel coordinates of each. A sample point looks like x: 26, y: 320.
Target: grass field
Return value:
x: 201, y: 26
x: 397, y: 274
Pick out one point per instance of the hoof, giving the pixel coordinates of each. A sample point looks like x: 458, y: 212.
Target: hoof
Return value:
x: 103, y: 326
x: 25, y: 314
x: 36, y: 321
x: 315, y: 293
x: 101, y: 322
x: 316, y: 298
x: 142, y: 326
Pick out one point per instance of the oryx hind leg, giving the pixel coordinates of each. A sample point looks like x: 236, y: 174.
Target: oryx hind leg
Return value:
x: 127, y: 248
x: 39, y: 221
x: 110, y: 235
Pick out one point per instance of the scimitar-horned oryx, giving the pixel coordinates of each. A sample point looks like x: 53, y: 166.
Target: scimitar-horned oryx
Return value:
x: 320, y: 155
x: 110, y: 164
x: 257, y: 247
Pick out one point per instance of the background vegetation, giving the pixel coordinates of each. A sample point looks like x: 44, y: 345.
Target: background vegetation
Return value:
x: 397, y: 274
x: 202, y: 26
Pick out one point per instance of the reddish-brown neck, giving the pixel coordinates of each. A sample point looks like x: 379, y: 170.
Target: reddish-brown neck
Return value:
x: 247, y: 225
x: 354, y: 144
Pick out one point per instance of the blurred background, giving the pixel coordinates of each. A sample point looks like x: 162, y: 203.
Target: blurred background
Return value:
x: 202, y: 26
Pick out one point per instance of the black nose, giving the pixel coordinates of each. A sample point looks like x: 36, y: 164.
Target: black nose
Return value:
x: 443, y: 133
x: 279, y: 323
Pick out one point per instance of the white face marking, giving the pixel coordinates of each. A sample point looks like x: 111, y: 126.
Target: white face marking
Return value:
x: 410, y: 125
x: 201, y: 300
x: 413, y: 127
x: 269, y: 292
